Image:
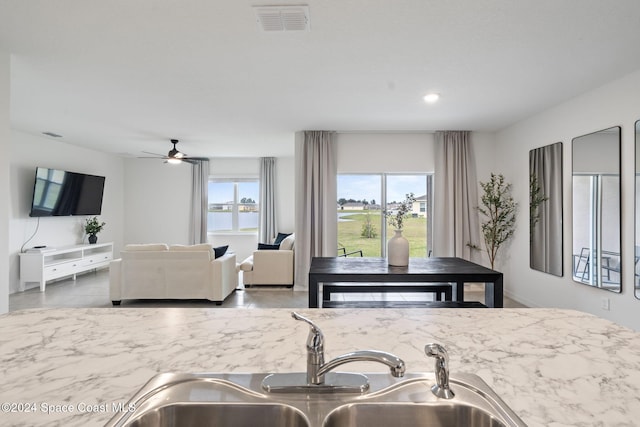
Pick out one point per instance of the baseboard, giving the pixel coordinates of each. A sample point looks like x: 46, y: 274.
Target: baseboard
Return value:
x: 523, y: 301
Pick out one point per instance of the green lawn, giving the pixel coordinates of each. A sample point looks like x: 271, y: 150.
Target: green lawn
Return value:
x: 349, y: 234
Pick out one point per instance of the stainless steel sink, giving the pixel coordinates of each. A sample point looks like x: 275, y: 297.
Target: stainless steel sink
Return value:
x: 238, y: 400
x: 416, y: 415
x: 222, y: 414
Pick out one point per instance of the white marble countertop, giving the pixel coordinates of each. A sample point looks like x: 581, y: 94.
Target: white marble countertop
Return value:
x: 552, y: 367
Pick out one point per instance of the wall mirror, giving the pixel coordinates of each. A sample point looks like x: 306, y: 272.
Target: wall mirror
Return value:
x: 545, y: 209
x: 636, y: 266
x: 596, y: 209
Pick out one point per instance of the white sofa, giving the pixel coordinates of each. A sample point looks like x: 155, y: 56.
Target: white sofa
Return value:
x: 159, y: 271
x: 270, y: 266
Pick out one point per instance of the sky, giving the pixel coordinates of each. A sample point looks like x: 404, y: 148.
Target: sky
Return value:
x: 222, y: 192
x: 368, y: 187
x: 358, y: 187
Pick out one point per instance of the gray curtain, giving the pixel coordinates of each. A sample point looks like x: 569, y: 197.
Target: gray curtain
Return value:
x: 545, y: 163
x: 268, y: 220
x: 316, y: 201
x: 456, y: 197
x: 199, y: 201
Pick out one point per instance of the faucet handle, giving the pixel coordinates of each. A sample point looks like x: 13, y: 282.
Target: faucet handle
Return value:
x: 441, y: 387
x: 297, y: 316
x: 315, y: 340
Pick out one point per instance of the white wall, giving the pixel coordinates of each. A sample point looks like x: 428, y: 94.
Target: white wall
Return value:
x: 5, y: 147
x: 384, y: 152
x: 403, y: 152
x: 157, y: 200
x: 616, y: 103
x: 28, y: 152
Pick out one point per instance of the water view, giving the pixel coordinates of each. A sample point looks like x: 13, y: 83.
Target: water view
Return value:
x: 223, y: 221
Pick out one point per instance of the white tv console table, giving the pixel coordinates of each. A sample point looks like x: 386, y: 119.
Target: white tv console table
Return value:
x: 66, y: 261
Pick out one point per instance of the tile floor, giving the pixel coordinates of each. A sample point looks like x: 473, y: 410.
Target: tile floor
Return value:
x: 92, y: 290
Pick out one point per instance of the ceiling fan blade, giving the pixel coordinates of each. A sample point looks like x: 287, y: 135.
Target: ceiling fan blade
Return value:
x: 195, y: 158
x: 154, y: 154
x: 174, y: 156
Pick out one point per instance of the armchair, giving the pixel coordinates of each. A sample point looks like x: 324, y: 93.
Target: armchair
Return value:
x: 270, y: 266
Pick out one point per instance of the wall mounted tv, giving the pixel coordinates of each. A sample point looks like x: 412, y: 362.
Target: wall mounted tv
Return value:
x: 63, y: 193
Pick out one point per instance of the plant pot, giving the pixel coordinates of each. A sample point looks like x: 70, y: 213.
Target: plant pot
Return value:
x: 93, y: 239
x: 398, y: 250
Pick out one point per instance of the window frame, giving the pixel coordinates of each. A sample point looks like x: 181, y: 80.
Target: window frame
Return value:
x: 235, y: 206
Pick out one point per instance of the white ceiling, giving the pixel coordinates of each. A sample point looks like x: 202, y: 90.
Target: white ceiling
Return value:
x: 125, y: 76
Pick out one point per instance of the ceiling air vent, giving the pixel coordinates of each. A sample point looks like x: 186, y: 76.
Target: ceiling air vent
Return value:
x: 282, y: 18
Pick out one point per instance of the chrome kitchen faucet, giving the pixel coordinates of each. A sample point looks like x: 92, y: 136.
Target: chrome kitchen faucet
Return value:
x: 318, y: 371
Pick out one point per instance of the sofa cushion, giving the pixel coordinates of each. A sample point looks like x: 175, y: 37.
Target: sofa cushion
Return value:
x: 199, y: 247
x: 287, y: 243
x: 146, y: 247
x: 220, y: 250
x: 280, y: 237
x: 266, y: 246
x: 202, y: 247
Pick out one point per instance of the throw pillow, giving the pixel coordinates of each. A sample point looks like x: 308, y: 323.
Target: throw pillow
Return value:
x: 220, y: 250
x: 287, y: 244
x: 280, y: 237
x: 266, y: 246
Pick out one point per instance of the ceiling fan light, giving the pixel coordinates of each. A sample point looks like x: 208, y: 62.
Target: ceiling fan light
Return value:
x: 174, y: 161
x: 430, y: 98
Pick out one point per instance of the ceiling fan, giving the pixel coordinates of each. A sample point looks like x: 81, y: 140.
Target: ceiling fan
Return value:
x: 174, y: 156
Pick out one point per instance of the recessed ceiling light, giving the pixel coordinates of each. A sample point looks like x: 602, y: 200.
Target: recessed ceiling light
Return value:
x: 431, y: 97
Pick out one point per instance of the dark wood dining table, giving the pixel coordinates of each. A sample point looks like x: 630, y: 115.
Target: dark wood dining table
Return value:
x: 456, y: 271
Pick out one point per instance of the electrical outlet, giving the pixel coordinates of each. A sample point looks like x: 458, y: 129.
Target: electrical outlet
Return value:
x: 604, y: 304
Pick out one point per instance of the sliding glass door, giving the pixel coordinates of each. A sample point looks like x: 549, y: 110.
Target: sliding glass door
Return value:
x: 415, y: 227
x: 360, y: 219
x: 362, y: 201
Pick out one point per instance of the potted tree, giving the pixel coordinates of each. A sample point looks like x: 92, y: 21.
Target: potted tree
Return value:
x: 499, y: 212
x: 92, y: 227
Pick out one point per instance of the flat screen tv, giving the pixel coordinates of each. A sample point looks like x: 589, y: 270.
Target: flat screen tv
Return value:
x: 63, y: 193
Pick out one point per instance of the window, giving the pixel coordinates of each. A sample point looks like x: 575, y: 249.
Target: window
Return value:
x: 362, y: 200
x: 233, y: 205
